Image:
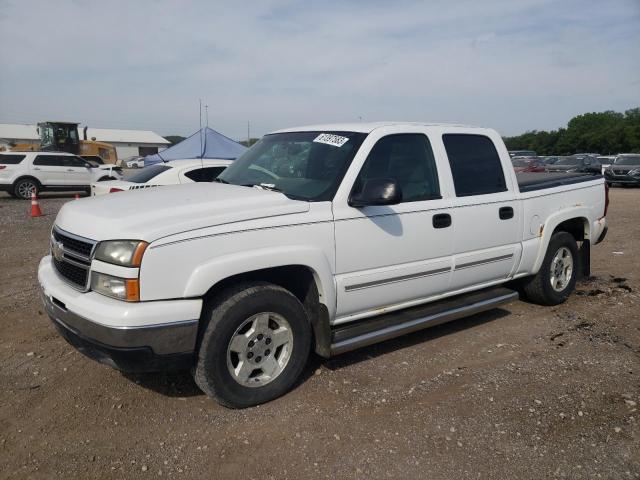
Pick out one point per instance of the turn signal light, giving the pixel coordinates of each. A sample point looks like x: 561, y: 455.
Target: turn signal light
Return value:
x: 115, y: 189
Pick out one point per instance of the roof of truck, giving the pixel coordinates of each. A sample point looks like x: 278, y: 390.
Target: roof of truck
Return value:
x: 364, y: 127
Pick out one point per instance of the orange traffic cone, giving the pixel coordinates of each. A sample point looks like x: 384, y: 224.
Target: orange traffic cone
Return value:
x: 35, y: 207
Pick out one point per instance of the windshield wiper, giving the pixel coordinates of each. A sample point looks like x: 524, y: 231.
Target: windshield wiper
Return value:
x: 263, y: 186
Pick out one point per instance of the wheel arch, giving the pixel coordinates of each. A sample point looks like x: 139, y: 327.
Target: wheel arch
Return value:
x: 574, y: 222
x: 25, y: 177
x: 302, y: 271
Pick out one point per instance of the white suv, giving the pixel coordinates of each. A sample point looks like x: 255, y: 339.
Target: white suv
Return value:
x: 24, y: 172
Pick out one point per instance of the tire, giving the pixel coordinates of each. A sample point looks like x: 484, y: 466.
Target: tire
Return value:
x: 22, y: 188
x: 539, y: 288
x: 240, y: 323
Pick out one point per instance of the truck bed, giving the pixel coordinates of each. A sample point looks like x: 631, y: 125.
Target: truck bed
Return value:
x: 529, y: 182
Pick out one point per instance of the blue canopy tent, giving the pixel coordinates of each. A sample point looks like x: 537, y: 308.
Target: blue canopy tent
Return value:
x: 205, y: 143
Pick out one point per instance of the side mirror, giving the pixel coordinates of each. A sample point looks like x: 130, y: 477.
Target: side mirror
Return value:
x: 377, y: 191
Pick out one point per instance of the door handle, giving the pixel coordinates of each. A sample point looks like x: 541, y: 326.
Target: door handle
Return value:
x: 70, y: 170
x: 36, y: 168
x: 505, y: 213
x: 441, y: 220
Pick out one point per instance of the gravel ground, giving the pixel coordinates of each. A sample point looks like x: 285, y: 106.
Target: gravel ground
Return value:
x: 519, y: 392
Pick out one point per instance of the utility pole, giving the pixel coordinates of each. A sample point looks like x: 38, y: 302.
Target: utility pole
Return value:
x: 206, y: 110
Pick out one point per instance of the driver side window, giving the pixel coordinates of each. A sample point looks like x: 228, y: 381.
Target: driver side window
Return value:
x: 406, y: 158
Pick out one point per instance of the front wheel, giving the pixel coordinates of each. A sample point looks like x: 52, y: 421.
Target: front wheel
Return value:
x: 558, y: 274
x: 255, y: 344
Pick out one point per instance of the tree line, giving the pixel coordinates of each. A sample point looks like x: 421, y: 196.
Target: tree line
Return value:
x: 607, y: 133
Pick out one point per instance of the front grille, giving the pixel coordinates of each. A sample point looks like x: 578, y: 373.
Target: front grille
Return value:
x: 72, y: 257
x: 75, y: 274
x: 620, y: 172
x: 74, y: 244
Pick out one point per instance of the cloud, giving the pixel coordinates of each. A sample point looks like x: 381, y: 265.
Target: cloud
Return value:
x: 530, y: 64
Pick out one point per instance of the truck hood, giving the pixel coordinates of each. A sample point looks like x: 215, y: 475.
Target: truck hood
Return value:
x: 154, y: 213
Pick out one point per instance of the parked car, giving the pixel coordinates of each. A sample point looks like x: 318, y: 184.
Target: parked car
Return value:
x: 574, y: 163
x: 133, y: 162
x: 625, y: 170
x: 527, y: 164
x: 24, y: 172
x: 606, y: 161
x: 376, y: 231
x: 551, y: 159
x: 170, y: 173
x: 522, y: 153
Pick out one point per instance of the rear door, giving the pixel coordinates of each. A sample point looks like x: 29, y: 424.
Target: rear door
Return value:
x: 50, y: 170
x: 486, y: 213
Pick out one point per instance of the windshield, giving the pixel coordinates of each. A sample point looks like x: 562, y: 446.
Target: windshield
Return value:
x: 302, y: 165
x: 630, y: 160
x: 568, y: 161
x: 147, y: 173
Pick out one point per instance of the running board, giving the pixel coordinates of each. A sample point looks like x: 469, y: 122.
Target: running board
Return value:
x: 390, y: 325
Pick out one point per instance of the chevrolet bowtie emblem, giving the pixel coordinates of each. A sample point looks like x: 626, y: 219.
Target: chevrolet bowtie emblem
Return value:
x: 57, y: 250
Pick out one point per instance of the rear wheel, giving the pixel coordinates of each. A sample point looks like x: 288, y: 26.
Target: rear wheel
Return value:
x: 558, y: 274
x: 24, y: 187
x: 255, y: 344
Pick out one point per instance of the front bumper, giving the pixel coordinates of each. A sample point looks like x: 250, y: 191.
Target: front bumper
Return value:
x: 622, y: 179
x: 131, y: 343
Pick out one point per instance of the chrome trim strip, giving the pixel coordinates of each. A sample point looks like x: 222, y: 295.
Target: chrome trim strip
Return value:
x: 482, y: 262
x: 414, y: 325
x: 401, y: 278
x: 174, y: 337
x: 75, y: 262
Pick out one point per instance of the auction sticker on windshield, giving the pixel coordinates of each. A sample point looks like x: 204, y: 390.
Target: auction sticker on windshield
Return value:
x: 330, y: 139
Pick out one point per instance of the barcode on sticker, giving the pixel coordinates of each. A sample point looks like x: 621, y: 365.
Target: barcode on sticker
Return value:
x: 329, y: 139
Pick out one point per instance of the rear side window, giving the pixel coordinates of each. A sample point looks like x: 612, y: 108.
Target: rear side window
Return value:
x: 475, y: 164
x: 207, y: 174
x: 11, y: 159
x: 50, y: 160
x: 147, y: 173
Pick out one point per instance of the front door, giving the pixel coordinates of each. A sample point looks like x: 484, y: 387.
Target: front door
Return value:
x: 388, y: 256
x: 78, y: 171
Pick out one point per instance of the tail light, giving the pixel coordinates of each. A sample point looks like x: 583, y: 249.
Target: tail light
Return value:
x: 2, y: 167
x: 606, y: 199
x: 115, y: 189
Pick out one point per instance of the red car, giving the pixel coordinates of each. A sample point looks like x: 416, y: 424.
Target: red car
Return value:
x: 527, y: 164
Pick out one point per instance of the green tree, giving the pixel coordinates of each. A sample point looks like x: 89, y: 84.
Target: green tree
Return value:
x: 606, y: 132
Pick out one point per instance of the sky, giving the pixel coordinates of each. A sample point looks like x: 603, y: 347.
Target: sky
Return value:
x: 512, y: 65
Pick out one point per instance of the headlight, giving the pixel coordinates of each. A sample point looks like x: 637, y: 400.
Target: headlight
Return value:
x: 635, y: 172
x: 127, y: 289
x: 127, y: 253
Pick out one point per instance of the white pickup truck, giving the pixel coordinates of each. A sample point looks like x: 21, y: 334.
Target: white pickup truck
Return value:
x: 328, y: 238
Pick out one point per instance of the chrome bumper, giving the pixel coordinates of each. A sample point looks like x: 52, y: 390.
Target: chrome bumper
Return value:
x: 165, y: 339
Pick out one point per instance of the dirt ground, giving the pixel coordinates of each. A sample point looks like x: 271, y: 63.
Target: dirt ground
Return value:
x: 519, y: 392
